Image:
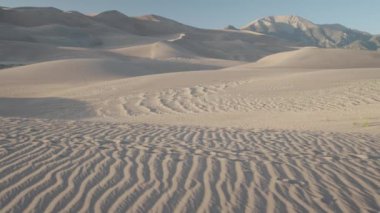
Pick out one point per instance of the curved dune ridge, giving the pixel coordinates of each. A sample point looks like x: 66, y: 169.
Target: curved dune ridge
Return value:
x: 158, y: 50
x: 89, y: 166
x: 322, y: 58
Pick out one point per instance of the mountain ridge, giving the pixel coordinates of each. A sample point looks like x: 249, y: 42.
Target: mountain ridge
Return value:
x: 306, y: 33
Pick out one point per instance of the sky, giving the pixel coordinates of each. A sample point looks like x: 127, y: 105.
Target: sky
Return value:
x: 357, y: 14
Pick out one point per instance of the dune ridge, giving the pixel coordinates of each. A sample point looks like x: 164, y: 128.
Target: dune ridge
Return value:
x: 322, y: 59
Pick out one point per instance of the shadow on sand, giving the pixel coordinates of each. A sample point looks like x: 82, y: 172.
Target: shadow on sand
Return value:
x: 50, y: 108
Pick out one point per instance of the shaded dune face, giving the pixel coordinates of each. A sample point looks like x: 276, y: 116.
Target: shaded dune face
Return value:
x: 53, y: 108
x: 35, y: 16
x: 88, y: 166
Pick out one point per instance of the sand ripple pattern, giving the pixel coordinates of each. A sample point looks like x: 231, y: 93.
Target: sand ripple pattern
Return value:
x: 78, y: 166
x: 225, y: 97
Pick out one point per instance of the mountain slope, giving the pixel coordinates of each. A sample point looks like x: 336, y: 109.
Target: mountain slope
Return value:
x: 307, y: 33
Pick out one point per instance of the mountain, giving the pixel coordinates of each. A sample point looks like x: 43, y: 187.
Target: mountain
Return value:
x: 307, y: 33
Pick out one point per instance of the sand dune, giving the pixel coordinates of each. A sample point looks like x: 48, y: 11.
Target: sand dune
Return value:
x: 168, y: 50
x: 204, y: 97
x: 110, y: 113
x: 158, y: 50
x: 147, y: 25
x: 26, y: 16
x: 221, y: 98
x: 322, y: 59
x: 70, y: 71
x: 108, y: 29
x: 139, y: 167
x: 243, y: 98
x: 42, y: 79
x: 26, y: 52
x: 114, y: 30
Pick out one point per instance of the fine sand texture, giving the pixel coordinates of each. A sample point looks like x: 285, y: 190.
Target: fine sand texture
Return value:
x: 110, y: 113
x: 52, y: 166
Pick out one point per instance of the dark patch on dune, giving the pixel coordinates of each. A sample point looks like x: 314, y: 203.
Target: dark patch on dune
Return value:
x: 4, y: 66
x: 52, y: 108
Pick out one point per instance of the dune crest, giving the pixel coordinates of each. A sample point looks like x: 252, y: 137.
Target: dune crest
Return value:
x: 322, y: 59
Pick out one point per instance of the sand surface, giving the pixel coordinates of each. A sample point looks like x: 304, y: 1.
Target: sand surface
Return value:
x: 158, y: 123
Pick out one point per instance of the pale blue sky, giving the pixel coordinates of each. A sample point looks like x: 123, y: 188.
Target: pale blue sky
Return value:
x: 358, y: 14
